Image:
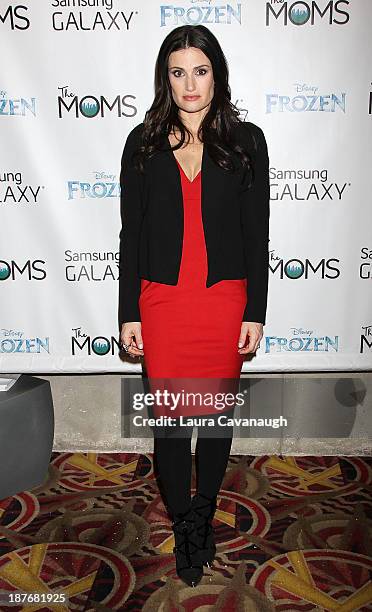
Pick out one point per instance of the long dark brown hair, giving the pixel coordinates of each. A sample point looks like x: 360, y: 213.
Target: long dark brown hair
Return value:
x: 216, y: 128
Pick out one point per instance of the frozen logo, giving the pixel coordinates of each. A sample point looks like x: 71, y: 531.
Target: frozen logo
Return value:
x: 301, y: 340
x: 200, y: 12
x: 19, y: 106
x: 14, y: 341
x: 306, y: 99
x: 102, y: 186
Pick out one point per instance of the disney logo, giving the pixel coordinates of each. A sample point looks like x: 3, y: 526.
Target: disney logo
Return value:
x: 10, y: 333
x: 103, y: 175
x: 302, y: 87
x: 298, y: 331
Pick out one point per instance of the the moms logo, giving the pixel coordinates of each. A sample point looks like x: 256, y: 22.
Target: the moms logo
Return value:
x: 14, y: 17
x: 366, y: 339
x: 295, y: 267
x: 97, y: 345
x: 194, y: 15
x: 299, y: 13
x: 30, y: 269
x: 90, y: 106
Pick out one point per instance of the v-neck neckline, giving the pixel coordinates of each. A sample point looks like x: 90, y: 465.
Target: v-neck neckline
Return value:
x: 180, y: 167
x: 169, y: 148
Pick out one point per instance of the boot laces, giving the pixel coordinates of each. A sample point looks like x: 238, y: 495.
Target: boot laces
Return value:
x: 204, y: 528
x: 183, y: 526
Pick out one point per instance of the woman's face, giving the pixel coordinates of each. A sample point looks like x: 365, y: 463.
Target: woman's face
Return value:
x: 191, y: 78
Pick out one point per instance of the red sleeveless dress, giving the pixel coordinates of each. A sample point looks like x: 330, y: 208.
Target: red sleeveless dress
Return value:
x: 191, y: 331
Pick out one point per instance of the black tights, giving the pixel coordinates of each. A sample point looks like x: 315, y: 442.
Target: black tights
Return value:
x: 172, y: 454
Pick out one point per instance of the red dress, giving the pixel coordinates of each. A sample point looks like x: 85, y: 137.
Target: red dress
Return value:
x: 190, y: 330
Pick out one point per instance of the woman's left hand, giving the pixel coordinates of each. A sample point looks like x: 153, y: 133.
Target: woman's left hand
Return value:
x: 254, y: 331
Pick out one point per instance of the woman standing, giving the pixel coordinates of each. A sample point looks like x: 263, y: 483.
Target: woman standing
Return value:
x: 194, y: 265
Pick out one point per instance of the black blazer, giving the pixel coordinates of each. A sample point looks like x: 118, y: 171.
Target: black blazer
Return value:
x: 235, y: 220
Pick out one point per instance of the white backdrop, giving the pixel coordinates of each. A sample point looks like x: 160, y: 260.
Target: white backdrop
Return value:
x: 77, y: 76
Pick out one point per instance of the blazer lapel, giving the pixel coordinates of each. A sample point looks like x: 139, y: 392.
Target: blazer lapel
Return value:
x: 213, y: 199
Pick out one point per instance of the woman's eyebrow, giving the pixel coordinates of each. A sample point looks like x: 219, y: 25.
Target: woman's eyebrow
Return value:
x: 201, y: 66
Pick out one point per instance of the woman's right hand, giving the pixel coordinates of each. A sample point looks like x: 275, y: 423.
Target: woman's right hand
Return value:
x: 131, y: 335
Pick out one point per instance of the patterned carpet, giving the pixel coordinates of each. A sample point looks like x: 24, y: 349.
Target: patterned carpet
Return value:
x: 293, y: 533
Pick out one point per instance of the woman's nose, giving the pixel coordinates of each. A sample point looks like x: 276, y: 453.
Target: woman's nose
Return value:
x: 190, y: 84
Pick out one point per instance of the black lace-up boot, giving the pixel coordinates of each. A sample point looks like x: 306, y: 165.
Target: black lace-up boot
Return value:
x: 188, y: 563
x: 204, y: 509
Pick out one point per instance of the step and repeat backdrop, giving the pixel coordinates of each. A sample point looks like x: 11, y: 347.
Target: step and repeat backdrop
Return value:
x: 77, y: 75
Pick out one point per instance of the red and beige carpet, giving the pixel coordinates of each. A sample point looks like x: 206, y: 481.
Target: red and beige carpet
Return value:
x: 293, y: 533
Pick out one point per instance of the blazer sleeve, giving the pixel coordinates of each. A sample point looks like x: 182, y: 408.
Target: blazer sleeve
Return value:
x: 131, y: 211
x: 255, y: 214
